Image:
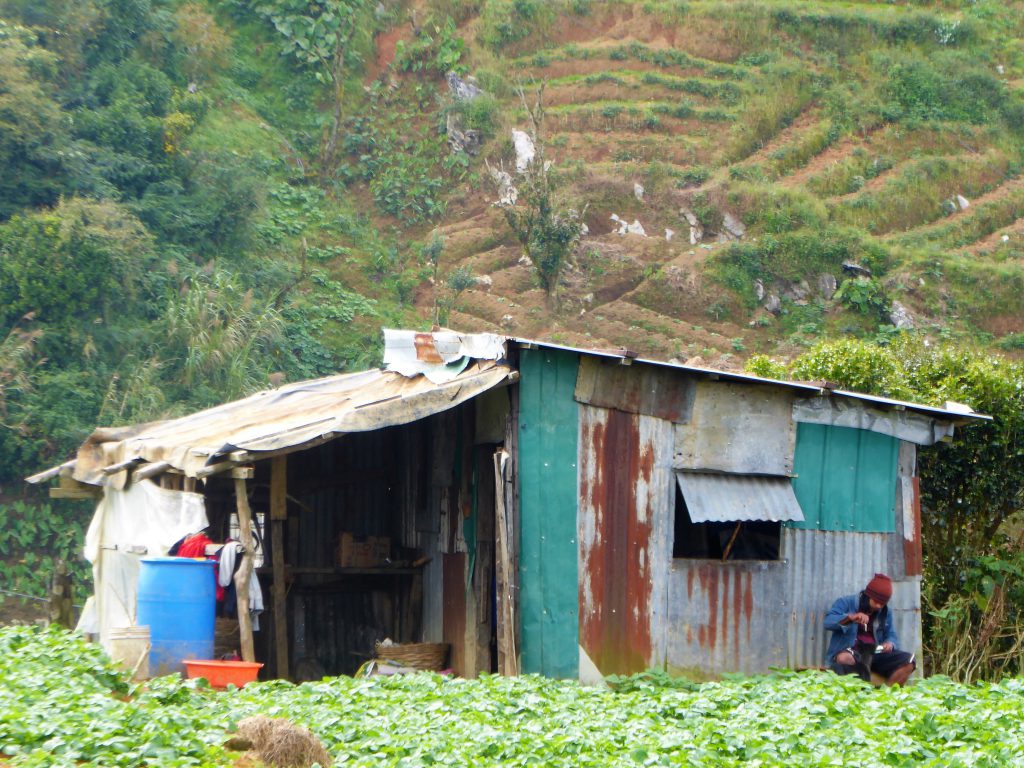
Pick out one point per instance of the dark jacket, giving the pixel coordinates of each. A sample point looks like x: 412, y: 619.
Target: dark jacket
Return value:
x: 845, y: 636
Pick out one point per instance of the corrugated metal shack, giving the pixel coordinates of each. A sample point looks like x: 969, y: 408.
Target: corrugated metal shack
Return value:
x: 699, y: 521
x: 547, y: 509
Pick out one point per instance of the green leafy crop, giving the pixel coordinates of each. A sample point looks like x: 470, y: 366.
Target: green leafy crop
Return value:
x: 63, y: 704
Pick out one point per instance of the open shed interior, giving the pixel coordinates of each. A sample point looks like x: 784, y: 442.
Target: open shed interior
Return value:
x: 384, y: 534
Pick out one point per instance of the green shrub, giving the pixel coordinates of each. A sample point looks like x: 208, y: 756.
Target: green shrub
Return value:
x: 950, y: 88
x: 436, y: 50
x: 482, y: 114
x: 505, y: 23
x: 865, y: 295
x: 778, y: 209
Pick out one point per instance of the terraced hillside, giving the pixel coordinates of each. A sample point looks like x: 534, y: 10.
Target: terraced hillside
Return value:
x: 761, y: 146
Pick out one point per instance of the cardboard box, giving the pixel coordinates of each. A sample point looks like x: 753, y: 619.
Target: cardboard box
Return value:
x: 357, y: 552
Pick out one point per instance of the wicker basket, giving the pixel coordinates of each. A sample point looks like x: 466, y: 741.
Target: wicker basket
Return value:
x: 416, y: 655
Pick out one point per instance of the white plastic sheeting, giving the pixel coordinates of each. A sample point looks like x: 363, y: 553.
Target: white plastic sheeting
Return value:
x: 143, y: 520
x: 440, y: 356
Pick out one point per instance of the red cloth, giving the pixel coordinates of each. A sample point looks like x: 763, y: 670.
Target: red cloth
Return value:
x: 195, y: 546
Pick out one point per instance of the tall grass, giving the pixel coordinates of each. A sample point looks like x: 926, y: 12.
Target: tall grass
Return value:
x: 969, y: 227
x: 765, y: 114
x: 918, y: 192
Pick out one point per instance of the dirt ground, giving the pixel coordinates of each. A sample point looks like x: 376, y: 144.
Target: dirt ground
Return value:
x: 14, y: 610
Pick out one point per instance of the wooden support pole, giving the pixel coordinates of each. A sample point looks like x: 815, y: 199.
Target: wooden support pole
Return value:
x: 503, y: 572
x: 244, y: 573
x: 278, y: 515
x: 60, y: 596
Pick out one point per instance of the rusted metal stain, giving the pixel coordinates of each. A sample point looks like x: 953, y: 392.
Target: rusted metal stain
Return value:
x: 730, y: 606
x: 726, y: 617
x: 615, y: 589
x: 426, y: 351
x: 912, y: 553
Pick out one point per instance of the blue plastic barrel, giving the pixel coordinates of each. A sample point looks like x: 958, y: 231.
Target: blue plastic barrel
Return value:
x: 177, y: 599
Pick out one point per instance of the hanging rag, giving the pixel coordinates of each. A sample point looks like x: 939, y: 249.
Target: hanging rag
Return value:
x: 194, y: 545
x: 229, y: 564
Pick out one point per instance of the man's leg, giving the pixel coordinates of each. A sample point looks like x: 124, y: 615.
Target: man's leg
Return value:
x: 847, y: 663
x: 900, y: 676
x: 895, y: 666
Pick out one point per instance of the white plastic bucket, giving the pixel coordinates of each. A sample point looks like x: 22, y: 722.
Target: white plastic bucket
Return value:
x: 129, y: 646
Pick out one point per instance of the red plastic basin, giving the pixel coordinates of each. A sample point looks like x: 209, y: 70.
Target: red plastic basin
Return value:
x: 221, y: 674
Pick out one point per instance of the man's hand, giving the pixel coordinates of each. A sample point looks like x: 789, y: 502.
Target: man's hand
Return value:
x: 888, y: 647
x: 857, y: 618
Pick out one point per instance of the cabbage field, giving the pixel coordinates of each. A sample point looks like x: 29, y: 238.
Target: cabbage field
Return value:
x: 62, y: 703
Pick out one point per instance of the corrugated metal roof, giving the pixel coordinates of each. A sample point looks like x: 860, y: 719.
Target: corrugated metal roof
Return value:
x: 719, y: 498
x: 279, y: 421
x: 955, y: 412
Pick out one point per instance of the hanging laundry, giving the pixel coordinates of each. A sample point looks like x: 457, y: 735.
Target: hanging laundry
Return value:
x: 230, y: 561
x: 194, y: 545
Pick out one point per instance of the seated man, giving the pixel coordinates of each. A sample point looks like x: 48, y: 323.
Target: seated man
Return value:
x: 863, y: 639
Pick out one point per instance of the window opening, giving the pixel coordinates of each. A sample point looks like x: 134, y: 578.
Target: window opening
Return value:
x: 727, y: 540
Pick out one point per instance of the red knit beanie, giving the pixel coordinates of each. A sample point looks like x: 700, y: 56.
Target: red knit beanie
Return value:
x: 879, y: 588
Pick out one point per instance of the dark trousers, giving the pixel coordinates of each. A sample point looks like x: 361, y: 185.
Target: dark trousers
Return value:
x: 884, y: 663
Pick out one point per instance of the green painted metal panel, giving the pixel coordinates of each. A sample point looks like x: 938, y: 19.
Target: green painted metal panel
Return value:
x: 845, y: 479
x: 548, y: 500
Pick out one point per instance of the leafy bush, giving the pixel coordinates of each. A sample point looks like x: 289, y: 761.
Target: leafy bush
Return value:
x: 436, y: 50
x: 919, y: 91
x: 505, y: 23
x: 865, y: 295
x: 481, y: 114
x: 33, y: 538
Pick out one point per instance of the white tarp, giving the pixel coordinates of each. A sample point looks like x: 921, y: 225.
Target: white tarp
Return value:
x: 143, y: 520
x: 903, y: 425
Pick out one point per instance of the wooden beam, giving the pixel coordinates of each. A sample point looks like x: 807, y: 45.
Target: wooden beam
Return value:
x: 278, y: 515
x: 150, y: 470
x: 61, y: 611
x: 243, y: 473
x: 74, y: 493
x: 214, y: 469
x: 244, y: 573
x: 113, y: 469
x: 69, y: 488
x: 51, y: 473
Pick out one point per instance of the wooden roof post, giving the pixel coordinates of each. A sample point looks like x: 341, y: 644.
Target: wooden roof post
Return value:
x: 244, y: 573
x: 278, y: 514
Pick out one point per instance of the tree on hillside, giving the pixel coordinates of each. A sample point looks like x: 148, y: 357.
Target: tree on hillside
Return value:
x: 547, y: 229
x: 32, y: 132
x: 320, y: 35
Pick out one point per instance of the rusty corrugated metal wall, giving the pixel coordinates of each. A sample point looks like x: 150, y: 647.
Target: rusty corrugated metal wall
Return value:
x: 624, y: 490
x: 726, y: 617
